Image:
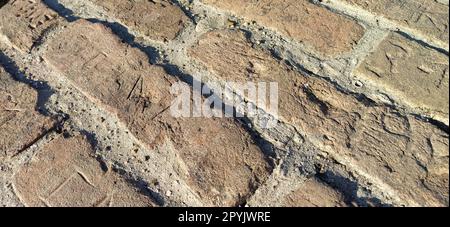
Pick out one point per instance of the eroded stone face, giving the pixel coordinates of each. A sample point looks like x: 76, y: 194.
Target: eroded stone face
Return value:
x: 314, y: 193
x: 159, y: 20
x: 385, y: 143
x: 65, y: 173
x: 20, y: 123
x: 428, y: 16
x: 324, y: 31
x: 417, y: 74
x: 24, y: 21
x: 224, y: 164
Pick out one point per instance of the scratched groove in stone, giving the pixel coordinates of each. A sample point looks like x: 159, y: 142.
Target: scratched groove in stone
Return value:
x: 20, y: 121
x: 386, y: 143
x: 159, y: 20
x: 363, y: 107
x: 31, y: 20
x: 205, y: 145
x: 427, y: 16
x: 419, y: 74
x: 326, y: 32
x: 66, y: 173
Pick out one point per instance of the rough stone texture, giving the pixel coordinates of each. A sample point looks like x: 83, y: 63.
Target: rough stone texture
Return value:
x: 92, y: 57
x: 419, y: 74
x: 363, y: 103
x: 427, y: 16
x: 31, y: 20
x: 314, y: 193
x: 65, y: 173
x: 20, y: 123
x: 159, y: 20
x: 397, y: 148
x: 326, y: 32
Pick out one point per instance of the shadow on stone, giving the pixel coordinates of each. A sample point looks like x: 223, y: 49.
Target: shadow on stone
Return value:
x: 3, y: 2
x: 43, y: 89
x: 350, y: 190
x: 141, y: 185
x: 118, y: 29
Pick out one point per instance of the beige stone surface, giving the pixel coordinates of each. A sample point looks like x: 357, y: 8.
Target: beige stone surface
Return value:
x: 92, y: 58
x: 30, y: 20
x: 420, y: 75
x: 65, y: 173
x: 159, y: 20
x: 314, y: 193
x: 428, y: 16
x: 326, y: 32
x: 384, y: 142
x: 20, y: 122
x: 363, y: 103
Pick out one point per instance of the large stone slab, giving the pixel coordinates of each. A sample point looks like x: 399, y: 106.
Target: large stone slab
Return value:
x: 160, y: 20
x: 406, y: 153
x: 65, y: 173
x: 416, y: 74
x: 427, y: 16
x: 223, y: 162
x: 21, y: 124
x: 326, y: 32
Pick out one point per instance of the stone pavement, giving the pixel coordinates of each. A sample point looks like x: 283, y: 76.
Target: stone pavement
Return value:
x: 85, y: 89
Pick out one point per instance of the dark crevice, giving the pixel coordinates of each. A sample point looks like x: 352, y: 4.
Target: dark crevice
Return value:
x: 358, y: 96
x: 43, y: 89
x: 313, y: 98
x: 123, y: 33
x: 126, y: 37
x: 41, y: 39
x: 92, y: 139
x: 442, y: 126
x: 366, y: 101
x: 141, y: 185
x: 422, y: 43
x: 243, y: 199
x: 349, y: 189
x: 138, y: 183
x: 34, y: 141
x: 245, y: 122
x: 118, y: 29
x: 186, y: 12
x: 3, y: 3
x: 44, y: 92
x: 61, y: 10
x: 152, y: 53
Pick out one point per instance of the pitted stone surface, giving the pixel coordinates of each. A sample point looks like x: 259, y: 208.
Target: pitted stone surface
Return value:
x: 386, y: 143
x: 160, y: 20
x: 140, y: 94
x: 323, y: 30
x: 363, y: 103
x: 66, y: 173
x: 427, y: 16
x: 418, y: 73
